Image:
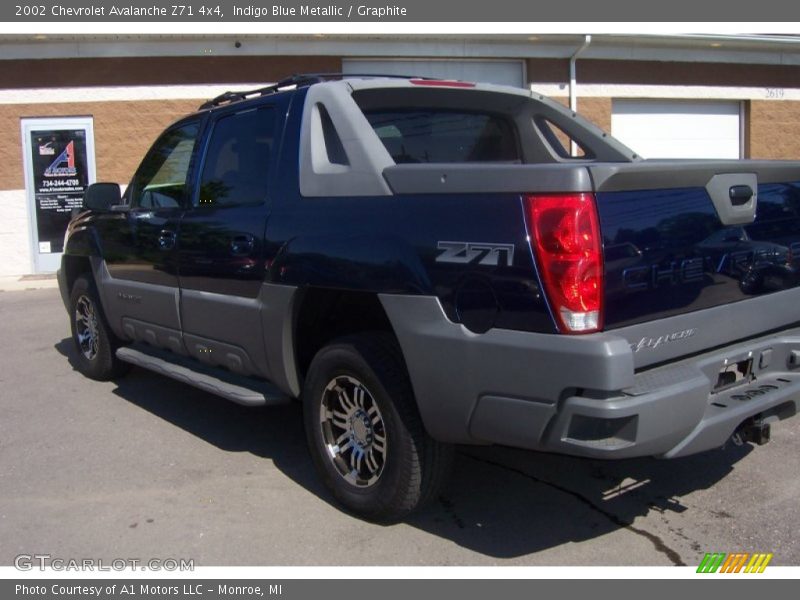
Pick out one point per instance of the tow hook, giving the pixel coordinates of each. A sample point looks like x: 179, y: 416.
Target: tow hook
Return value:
x: 752, y: 430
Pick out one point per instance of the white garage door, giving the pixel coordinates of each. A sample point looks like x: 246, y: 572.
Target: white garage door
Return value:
x: 504, y: 72
x: 678, y: 128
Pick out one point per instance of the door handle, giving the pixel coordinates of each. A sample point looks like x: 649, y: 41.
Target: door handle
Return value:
x: 166, y: 239
x: 242, y: 245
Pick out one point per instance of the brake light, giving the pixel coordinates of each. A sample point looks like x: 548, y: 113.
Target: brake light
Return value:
x: 565, y: 236
x: 443, y: 83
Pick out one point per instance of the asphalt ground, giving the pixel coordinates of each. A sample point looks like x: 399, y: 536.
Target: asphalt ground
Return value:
x: 145, y: 467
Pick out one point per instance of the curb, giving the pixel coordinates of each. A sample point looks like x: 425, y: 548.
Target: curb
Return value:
x: 17, y: 283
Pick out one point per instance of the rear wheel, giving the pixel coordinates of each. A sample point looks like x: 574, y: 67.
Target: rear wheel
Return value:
x: 364, y: 430
x: 95, y: 343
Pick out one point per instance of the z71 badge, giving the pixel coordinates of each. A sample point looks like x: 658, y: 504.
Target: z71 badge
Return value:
x: 476, y: 253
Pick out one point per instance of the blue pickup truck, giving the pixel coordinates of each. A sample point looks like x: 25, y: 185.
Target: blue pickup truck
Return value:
x: 426, y: 263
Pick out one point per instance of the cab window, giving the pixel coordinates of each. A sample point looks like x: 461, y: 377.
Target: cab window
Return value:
x: 160, y: 181
x: 236, y: 167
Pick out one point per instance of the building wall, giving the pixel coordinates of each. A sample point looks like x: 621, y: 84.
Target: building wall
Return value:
x: 773, y: 129
x: 119, y: 94
x: 158, y: 70
x: 15, y: 251
x: 597, y: 110
x: 664, y: 73
x: 772, y: 124
x: 123, y: 131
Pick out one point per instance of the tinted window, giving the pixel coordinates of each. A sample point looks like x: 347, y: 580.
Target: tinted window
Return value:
x: 444, y: 136
x: 160, y: 181
x: 237, y: 162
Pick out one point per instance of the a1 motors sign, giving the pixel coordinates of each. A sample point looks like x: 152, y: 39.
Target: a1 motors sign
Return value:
x: 59, y: 165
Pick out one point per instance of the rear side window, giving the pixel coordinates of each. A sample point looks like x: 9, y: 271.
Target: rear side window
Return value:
x: 236, y: 167
x: 445, y: 136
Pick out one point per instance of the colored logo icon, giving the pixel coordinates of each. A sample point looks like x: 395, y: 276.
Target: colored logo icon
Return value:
x: 740, y: 562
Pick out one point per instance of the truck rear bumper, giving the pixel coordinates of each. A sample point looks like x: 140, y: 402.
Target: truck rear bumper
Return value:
x: 672, y: 411
x: 580, y: 395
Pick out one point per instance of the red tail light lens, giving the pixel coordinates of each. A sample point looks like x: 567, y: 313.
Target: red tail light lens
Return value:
x: 565, y: 236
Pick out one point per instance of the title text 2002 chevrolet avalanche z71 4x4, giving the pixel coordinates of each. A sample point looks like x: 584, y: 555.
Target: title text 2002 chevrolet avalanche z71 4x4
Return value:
x: 424, y: 264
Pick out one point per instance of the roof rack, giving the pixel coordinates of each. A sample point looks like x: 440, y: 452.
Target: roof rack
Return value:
x: 297, y: 80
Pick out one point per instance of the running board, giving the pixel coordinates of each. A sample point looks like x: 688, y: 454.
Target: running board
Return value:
x: 239, y: 389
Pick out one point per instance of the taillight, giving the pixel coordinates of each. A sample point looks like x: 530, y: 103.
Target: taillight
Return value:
x: 565, y: 236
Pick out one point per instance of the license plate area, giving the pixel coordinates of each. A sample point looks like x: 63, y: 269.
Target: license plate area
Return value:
x: 733, y: 374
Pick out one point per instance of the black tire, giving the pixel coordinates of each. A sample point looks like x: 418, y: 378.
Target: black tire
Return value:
x: 95, y: 343
x: 412, y: 468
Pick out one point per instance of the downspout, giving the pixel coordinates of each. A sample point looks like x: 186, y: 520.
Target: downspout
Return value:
x: 573, y: 95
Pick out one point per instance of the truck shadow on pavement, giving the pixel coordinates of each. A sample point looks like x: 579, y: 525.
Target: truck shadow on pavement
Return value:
x: 505, y: 502
x: 500, y: 502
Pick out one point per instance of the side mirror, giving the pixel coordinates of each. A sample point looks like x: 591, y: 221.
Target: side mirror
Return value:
x: 102, y: 196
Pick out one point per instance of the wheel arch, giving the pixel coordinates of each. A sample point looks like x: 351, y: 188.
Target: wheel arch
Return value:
x: 323, y: 315
x: 73, y: 266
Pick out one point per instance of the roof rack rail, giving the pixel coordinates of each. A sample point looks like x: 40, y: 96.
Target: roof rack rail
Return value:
x: 297, y: 80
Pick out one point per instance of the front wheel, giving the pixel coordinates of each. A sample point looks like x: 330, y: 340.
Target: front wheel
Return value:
x: 364, y: 430
x: 95, y: 343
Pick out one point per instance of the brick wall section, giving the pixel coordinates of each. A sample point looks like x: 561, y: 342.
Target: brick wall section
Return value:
x: 597, y: 110
x: 773, y: 129
x: 158, y: 70
x: 677, y: 73
x: 650, y: 72
x: 548, y: 70
x: 177, y: 70
x: 123, y: 131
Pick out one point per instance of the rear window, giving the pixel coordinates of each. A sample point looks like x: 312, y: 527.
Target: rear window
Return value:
x: 445, y: 136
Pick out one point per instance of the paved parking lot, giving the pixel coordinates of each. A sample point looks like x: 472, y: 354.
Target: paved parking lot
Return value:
x: 149, y: 468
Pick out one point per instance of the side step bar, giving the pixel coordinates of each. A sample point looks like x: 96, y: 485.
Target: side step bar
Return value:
x: 237, y: 388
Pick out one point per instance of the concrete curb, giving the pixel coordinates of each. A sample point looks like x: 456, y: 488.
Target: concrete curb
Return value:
x: 18, y: 283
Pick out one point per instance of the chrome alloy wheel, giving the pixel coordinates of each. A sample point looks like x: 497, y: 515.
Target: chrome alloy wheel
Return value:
x: 353, y: 431
x: 86, y: 327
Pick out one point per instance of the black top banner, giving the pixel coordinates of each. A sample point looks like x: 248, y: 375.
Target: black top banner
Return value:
x: 371, y: 11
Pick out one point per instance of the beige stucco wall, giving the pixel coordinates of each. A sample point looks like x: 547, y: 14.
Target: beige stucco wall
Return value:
x: 773, y: 129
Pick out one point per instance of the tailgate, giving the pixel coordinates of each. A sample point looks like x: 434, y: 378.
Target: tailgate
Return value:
x: 687, y: 237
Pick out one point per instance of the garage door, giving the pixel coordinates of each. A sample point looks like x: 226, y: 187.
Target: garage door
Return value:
x: 678, y: 128
x: 504, y: 72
